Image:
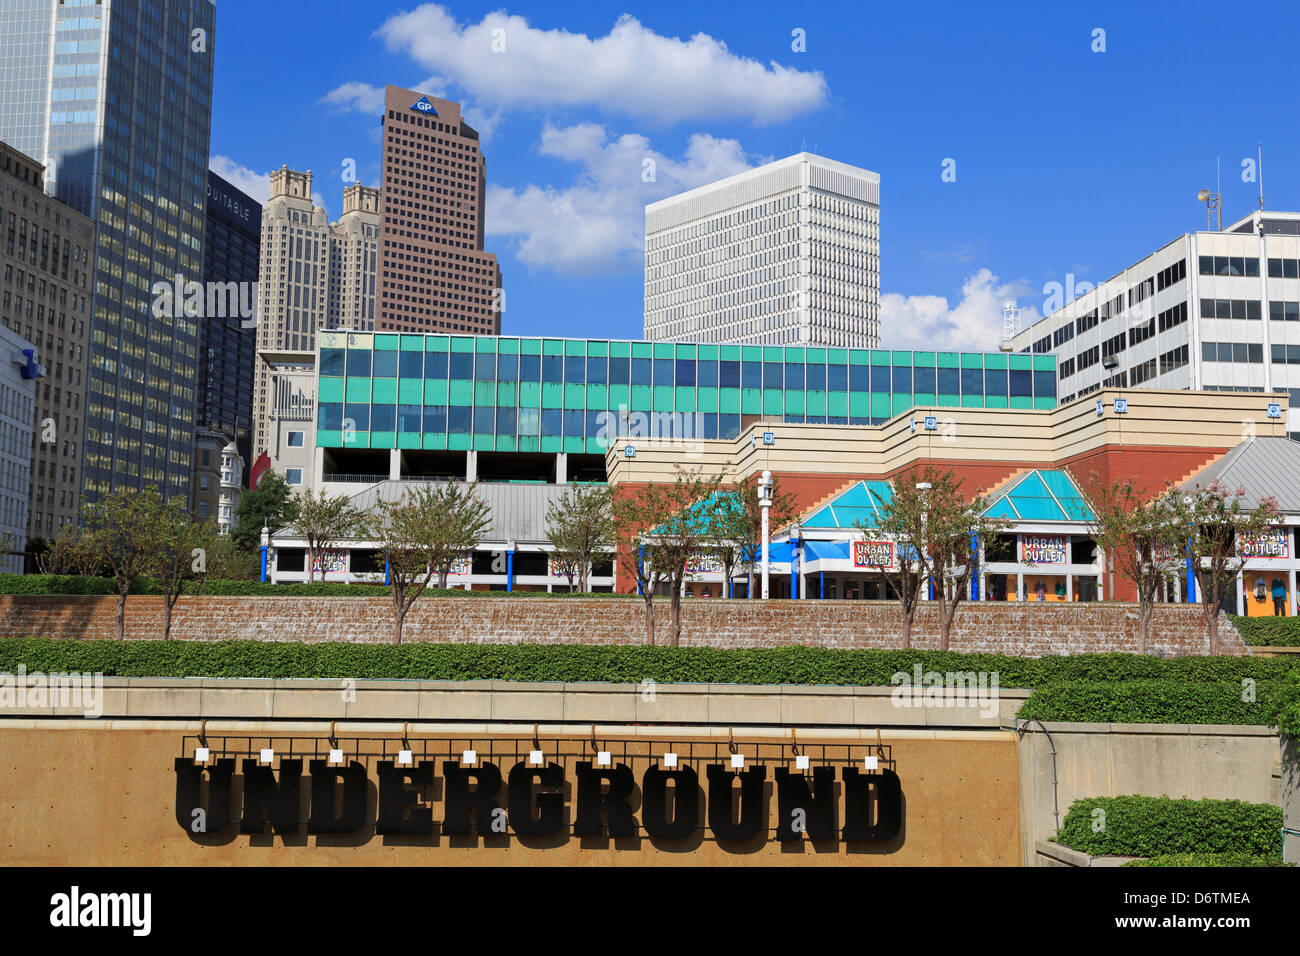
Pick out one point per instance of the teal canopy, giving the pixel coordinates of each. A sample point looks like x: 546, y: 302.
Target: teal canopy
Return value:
x: 860, y: 503
x: 1041, y: 495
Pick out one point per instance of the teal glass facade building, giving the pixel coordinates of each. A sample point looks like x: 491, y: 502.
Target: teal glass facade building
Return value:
x: 509, y: 394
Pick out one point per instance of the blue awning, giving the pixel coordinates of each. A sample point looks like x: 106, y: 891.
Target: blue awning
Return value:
x: 826, y: 550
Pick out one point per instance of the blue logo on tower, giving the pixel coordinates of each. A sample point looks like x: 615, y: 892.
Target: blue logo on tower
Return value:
x: 422, y: 105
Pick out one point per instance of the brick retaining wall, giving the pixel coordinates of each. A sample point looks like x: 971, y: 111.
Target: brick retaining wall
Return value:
x: 1011, y: 628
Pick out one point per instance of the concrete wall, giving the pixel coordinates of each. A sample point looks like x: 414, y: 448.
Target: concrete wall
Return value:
x: 1028, y: 629
x: 1110, y: 760
x: 103, y: 791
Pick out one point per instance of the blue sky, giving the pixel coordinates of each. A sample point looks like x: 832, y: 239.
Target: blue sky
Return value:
x: 1067, y: 161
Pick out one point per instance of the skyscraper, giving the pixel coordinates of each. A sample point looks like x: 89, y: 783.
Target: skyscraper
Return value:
x: 45, y: 299
x: 231, y: 243
x: 314, y: 275
x: 115, y: 99
x: 434, y: 275
x: 788, y: 253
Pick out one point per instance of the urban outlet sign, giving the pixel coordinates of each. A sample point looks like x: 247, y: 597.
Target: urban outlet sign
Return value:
x: 536, y: 800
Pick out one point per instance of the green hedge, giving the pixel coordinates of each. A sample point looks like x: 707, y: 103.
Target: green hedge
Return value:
x: 1165, y: 701
x: 77, y: 584
x: 1209, y: 859
x: 1268, y: 631
x: 618, y: 664
x: 1159, y: 826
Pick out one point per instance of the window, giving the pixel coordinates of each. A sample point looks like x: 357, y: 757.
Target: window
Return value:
x: 293, y: 476
x: 295, y: 439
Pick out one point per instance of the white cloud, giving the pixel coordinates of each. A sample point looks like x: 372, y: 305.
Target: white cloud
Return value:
x: 255, y: 184
x: 973, y: 324
x: 355, y: 95
x: 597, y: 224
x: 631, y: 70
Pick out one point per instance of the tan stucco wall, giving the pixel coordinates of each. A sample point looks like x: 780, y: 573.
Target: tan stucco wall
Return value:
x: 101, y: 792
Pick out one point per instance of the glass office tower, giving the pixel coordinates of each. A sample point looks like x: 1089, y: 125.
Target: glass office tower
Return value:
x: 115, y: 97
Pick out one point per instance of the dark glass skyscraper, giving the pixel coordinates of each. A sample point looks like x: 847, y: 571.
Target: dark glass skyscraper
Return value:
x: 115, y: 97
x: 231, y: 245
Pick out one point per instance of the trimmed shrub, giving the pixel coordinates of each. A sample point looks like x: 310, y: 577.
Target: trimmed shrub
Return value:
x: 1268, y: 631
x: 594, y: 662
x: 1164, y: 701
x: 1160, y: 826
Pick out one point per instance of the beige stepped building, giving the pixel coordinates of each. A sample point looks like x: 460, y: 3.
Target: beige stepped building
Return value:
x: 45, y: 298
x: 314, y: 274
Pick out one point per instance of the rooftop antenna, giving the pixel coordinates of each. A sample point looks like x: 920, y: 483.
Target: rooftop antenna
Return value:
x: 1212, y: 207
x: 1010, y: 324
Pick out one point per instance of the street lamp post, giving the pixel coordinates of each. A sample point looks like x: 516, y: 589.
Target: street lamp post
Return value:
x: 764, y: 503
x: 266, y: 547
x: 922, y: 487
x: 796, y: 562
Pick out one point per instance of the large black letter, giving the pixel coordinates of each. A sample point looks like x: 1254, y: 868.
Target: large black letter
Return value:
x: 615, y: 801
x: 395, y: 797
x: 817, y: 804
x: 654, y: 803
x: 188, y: 778
x: 858, y: 800
x: 458, y: 798
x: 324, y: 817
x: 751, y: 820
x: 264, y: 797
x: 550, y: 799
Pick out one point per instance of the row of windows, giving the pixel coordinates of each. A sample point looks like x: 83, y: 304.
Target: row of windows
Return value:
x: 1228, y: 266
x: 1172, y: 317
x: 1286, y: 354
x: 1284, y: 311
x: 1171, y: 275
x: 1142, y: 372
x: 1284, y: 268
x: 705, y: 373
x: 1230, y: 309
x: 1232, y: 352
x: 1174, y: 359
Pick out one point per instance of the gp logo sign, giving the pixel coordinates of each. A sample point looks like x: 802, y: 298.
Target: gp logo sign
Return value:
x: 422, y: 105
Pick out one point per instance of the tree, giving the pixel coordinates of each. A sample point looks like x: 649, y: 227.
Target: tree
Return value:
x: 1139, y: 539
x: 70, y: 552
x: 660, y: 528
x: 123, y: 534
x: 580, y: 524
x: 735, y: 531
x: 1217, y: 524
x: 421, y: 534
x: 227, y: 562
x: 179, y: 554
x: 322, y: 519
x: 272, y: 503
x: 933, y: 528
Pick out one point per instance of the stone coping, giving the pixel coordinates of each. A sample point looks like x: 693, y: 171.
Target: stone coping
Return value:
x: 682, y: 704
x: 469, y: 730
x: 1195, y: 730
x: 1064, y: 856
